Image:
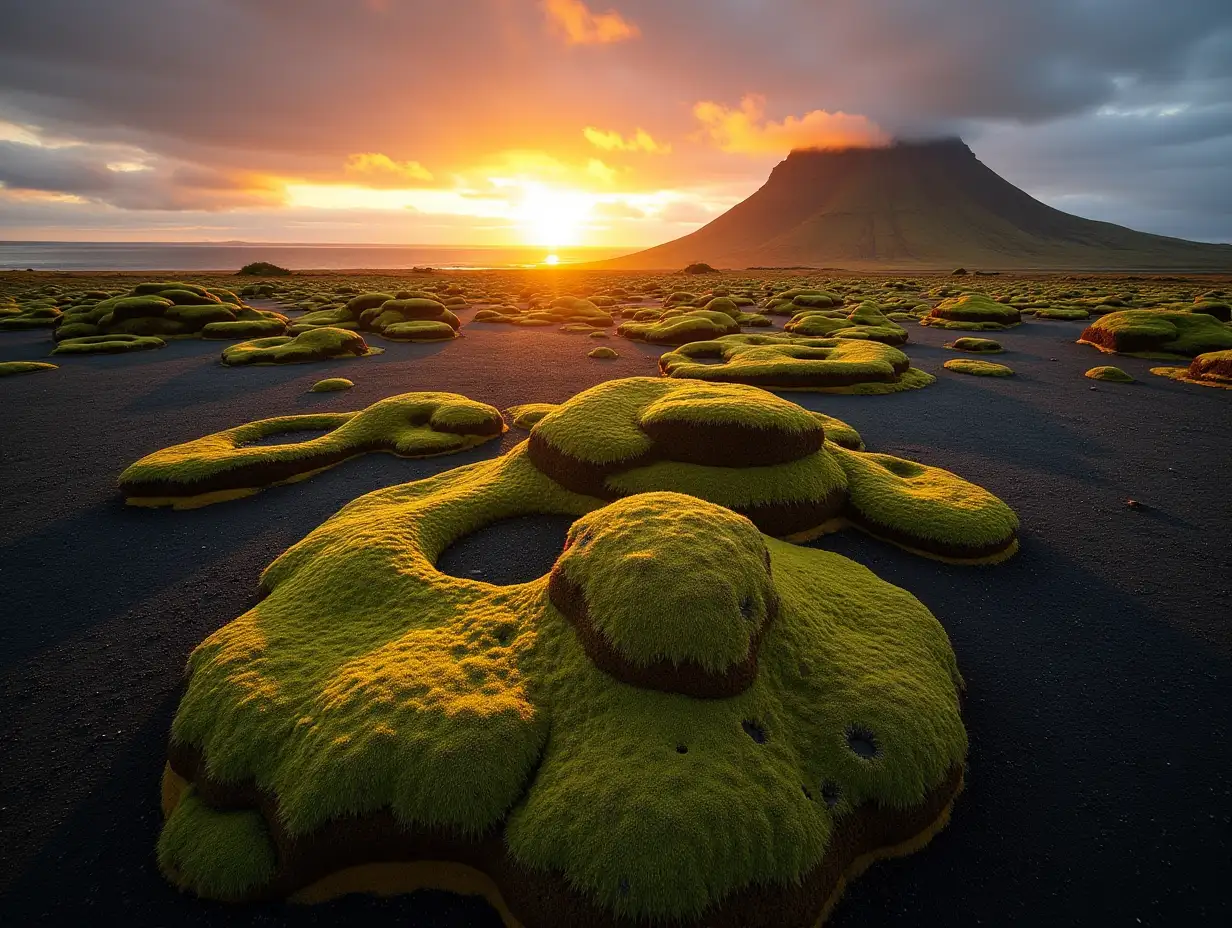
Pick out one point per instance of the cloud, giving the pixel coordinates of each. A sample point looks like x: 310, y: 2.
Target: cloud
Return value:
x: 377, y: 170
x: 747, y: 131
x: 617, y: 209
x: 574, y: 20
x: 641, y: 140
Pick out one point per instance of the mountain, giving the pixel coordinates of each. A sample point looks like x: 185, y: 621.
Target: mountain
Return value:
x: 921, y: 205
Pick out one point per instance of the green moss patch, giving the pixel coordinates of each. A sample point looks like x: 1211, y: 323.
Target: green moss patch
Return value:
x: 978, y: 368
x: 1212, y: 369
x: 332, y: 385
x: 108, y: 344
x: 1157, y: 333
x: 836, y: 365
x: 226, y: 464
x: 974, y: 311
x: 12, y: 368
x: 528, y: 414
x: 1109, y: 375
x: 318, y: 344
x: 680, y: 327
x: 967, y: 343
x: 602, y: 353
x: 413, y: 319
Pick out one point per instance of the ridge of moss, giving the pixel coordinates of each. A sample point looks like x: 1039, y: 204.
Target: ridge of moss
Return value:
x: 978, y: 368
x: 316, y: 344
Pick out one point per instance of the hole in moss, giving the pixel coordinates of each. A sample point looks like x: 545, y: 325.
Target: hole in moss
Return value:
x: 831, y: 793
x: 863, y: 742
x: 508, y: 551
x: 807, y: 794
x: 747, y: 609
x: 754, y: 731
x: 286, y: 438
x: 681, y: 749
x: 624, y: 886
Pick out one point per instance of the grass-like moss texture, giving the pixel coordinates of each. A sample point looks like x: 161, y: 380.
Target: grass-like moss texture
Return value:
x: 1109, y: 375
x: 108, y: 344
x: 527, y: 415
x: 332, y: 385
x: 12, y: 368
x: 227, y: 464
x: 603, y: 353
x: 969, y: 343
x: 366, y: 682
x: 865, y: 321
x: 978, y: 368
x: 673, y: 328
x: 1153, y: 333
x: 1212, y: 369
x: 833, y: 365
x: 318, y: 344
x: 974, y: 311
x: 411, y: 319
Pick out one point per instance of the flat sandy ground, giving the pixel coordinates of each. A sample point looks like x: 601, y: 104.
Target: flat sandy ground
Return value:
x: 1099, y: 661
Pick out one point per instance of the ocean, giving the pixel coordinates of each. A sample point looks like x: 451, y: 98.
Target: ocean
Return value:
x: 230, y: 256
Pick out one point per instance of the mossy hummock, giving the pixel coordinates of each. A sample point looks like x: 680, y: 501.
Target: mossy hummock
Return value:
x: 979, y: 345
x: 170, y: 309
x: 332, y: 385
x: 1109, y: 375
x: 414, y: 319
x: 676, y: 327
x: 978, y: 368
x: 527, y: 414
x: 12, y: 368
x: 972, y: 311
x: 1158, y: 333
x: 228, y: 465
x: 834, y: 365
x: 1212, y: 369
x: 757, y: 454
x: 866, y: 321
x: 316, y: 344
x: 371, y: 715
x: 108, y: 344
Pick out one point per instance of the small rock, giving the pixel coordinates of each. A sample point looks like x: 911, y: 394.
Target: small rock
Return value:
x: 1133, y: 504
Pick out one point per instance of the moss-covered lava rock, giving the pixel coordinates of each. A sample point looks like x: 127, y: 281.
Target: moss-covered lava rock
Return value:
x: 414, y: 319
x: 603, y: 353
x: 12, y: 368
x: 1157, y: 333
x: 108, y: 344
x: 978, y: 368
x: 230, y: 464
x: 974, y: 311
x: 833, y: 365
x: 332, y: 385
x: 969, y: 343
x: 675, y: 327
x: 1109, y: 375
x: 1212, y: 369
x: 372, y: 709
x: 317, y: 344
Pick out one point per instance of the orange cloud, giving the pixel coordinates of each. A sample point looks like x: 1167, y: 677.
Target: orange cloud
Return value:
x: 574, y: 20
x: 641, y: 140
x: 377, y: 170
x: 746, y: 130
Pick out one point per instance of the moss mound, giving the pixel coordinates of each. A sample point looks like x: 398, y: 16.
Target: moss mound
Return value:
x: 108, y: 344
x: 975, y: 311
x: 978, y: 368
x: 226, y: 465
x: 564, y: 310
x: 602, y: 353
x: 30, y: 316
x: 319, y: 344
x: 785, y: 362
x: 245, y: 328
x: 526, y: 415
x: 373, y: 699
x: 262, y: 269
x: 968, y: 343
x: 332, y: 385
x: 1212, y: 369
x: 413, y: 319
x: 1109, y: 374
x: 866, y: 321
x: 12, y: 368
x: 679, y: 327
x: 741, y: 447
x: 1157, y: 333
x: 1062, y: 313
x: 169, y: 309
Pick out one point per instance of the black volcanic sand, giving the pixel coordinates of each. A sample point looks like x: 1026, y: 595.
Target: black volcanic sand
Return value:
x: 1098, y: 661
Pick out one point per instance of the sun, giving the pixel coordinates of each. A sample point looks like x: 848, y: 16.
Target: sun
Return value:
x: 551, y: 216
x: 552, y: 260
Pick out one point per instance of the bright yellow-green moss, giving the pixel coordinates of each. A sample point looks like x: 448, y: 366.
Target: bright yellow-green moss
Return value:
x: 366, y: 680
x: 526, y: 415
x: 985, y: 345
x: 410, y: 425
x: 1212, y: 369
x: 897, y: 494
x: 244, y: 328
x: 1062, y: 313
x: 108, y: 344
x: 974, y: 311
x: 215, y: 854
x: 1109, y: 374
x: 10, y: 368
x: 831, y: 365
x: 332, y: 385
x: 1157, y: 333
x: 978, y: 368
x: 692, y: 326
x: 319, y: 344
x: 602, y: 353
x: 840, y: 432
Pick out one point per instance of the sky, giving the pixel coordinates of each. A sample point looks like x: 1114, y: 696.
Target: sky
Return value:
x: 584, y: 122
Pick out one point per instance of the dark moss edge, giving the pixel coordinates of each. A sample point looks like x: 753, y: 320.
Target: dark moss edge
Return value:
x: 540, y: 899
x: 958, y: 552
x: 731, y: 444
x: 315, y: 355
x: 1128, y: 343
x: 266, y: 473
x: 682, y: 338
x: 1218, y: 371
x: 686, y: 679
x: 783, y: 381
x: 777, y: 519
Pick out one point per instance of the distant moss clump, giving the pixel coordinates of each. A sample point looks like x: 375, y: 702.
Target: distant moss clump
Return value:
x: 319, y: 344
x: 700, y: 267
x: 1212, y: 369
x: 108, y: 344
x: 12, y: 368
x: 229, y: 464
x: 262, y: 269
x: 1157, y: 333
x: 33, y: 315
x: 1109, y: 374
x: 411, y: 319
x: 982, y: 345
x: 526, y: 415
x: 602, y: 353
x: 563, y: 310
x: 973, y: 311
x: 332, y: 385
x: 833, y: 365
x: 1062, y: 313
x: 865, y: 321
x: 978, y: 368
x: 679, y: 327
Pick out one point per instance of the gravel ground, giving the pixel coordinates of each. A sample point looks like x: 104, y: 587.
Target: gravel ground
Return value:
x: 1098, y: 661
